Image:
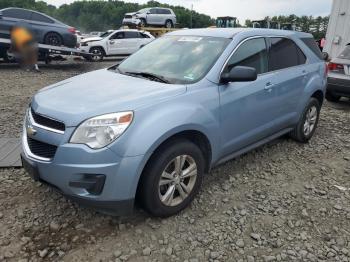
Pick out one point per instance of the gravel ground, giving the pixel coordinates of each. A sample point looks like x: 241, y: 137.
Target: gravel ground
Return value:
x: 282, y: 202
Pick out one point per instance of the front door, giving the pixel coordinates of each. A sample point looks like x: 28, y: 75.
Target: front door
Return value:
x: 116, y: 43
x: 153, y: 17
x: 12, y: 17
x: 247, y: 108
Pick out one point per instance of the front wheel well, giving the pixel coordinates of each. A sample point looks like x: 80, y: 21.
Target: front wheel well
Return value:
x: 101, y: 47
x: 319, y: 96
x: 194, y: 136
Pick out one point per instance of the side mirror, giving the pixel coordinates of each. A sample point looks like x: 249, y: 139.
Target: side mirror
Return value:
x: 239, y: 74
x: 325, y: 56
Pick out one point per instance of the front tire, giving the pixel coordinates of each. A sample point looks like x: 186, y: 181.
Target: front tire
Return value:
x: 307, y: 125
x: 97, y: 54
x: 143, y: 22
x: 172, y: 178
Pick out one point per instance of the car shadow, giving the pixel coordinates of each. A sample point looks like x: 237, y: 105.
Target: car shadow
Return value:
x: 343, y: 104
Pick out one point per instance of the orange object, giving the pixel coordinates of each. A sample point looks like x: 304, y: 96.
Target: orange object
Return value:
x: 20, y: 36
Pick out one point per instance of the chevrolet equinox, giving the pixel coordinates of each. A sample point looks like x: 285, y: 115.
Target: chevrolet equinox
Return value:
x: 148, y: 129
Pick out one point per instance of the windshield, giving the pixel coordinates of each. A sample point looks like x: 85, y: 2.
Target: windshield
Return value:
x: 346, y: 53
x: 142, y: 11
x: 177, y: 59
x: 103, y: 35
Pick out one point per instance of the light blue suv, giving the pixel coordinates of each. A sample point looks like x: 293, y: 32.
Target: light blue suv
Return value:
x: 150, y: 128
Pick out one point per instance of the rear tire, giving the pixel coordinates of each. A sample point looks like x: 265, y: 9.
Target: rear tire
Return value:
x: 169, y: 24
x: 332, y: 98
x: 172, y: 178
x: 307, y: 125
x: 53, y: 39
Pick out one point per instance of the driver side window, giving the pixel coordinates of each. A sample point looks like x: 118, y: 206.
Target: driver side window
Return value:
x: 252, y: 53
x: 119, y: 35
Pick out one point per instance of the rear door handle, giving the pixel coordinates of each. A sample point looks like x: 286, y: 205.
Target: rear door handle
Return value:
x: 304, y: 72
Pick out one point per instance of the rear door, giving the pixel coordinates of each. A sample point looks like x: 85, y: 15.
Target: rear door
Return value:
x: 40, y: 24
x: 133, y: 41
x: 288, y: 62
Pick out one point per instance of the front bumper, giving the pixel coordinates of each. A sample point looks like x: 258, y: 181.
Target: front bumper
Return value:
x: 131, y: 21
x: 84, y: 48
x: 74, y: 166
x: 339, y: 86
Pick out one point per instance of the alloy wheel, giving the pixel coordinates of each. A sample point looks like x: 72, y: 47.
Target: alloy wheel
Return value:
x: 310, y: 120
x: 177, y: 180
x: 168, y: 24
x: 96, y: 54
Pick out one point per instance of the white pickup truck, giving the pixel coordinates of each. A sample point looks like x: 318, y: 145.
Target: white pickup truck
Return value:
x: 116, y: 43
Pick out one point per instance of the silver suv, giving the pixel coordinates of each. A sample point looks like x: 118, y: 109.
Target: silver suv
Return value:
x: 151, y: 16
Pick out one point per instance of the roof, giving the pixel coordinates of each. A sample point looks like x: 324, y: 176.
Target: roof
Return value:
x: 231, y: 32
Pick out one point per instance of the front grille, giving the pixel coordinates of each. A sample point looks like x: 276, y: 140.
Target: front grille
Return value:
x: 41, y: 149
x: 48, y: 122
x: 128, y: 16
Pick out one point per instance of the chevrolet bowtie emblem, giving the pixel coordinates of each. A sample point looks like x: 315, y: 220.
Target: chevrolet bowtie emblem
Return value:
x: 31, y: 131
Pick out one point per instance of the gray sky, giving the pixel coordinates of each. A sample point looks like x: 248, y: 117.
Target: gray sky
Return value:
x: 244, y: 9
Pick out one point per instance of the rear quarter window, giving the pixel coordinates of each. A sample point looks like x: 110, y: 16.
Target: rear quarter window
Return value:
x: 312, y: 45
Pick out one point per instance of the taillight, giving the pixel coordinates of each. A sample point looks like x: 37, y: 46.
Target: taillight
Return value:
x: 335, y: 67
x: 72, y: 30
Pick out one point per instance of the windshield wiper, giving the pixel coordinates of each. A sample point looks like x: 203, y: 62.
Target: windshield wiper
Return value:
x: 149, y: 76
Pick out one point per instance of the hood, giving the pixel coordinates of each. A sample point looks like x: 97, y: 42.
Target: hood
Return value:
x: 133, y: 13
x: 99, y: 92
x: 91, y: 39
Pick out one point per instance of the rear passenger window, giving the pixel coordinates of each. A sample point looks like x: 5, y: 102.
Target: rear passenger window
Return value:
x: 284, y: 53
x: 40, y: 18
x: 252, y: 53
x: 132, y: 34
x: 166, y: 12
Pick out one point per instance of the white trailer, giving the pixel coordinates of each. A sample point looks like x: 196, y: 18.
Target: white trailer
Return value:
x: 338, y: 32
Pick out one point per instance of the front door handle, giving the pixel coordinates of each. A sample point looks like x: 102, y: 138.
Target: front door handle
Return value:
x: 111, y: 42
x: 268, y: 86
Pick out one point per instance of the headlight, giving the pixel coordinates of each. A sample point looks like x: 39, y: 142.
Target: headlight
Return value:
x: 100, y: 131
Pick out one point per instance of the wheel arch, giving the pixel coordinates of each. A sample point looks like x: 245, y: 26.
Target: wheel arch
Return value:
x: 194, y: 135
x: 98, y: 46
x: 319, y: 95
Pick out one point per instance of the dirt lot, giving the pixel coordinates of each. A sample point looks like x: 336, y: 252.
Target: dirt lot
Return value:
x: 278, y: 203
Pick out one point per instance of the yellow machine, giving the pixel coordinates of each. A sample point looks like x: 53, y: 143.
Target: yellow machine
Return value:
x: 226, y: 22
x: 155, y: 31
